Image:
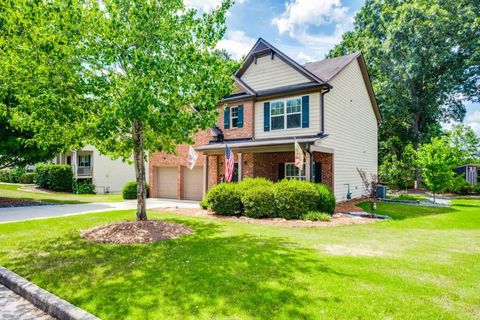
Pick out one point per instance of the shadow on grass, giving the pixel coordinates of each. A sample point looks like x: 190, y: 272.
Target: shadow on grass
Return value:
x: 398, y: 211
x: 207, y: 274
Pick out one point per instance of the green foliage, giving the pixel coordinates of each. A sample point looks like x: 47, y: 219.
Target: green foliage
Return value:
x: 437, y: 161
x: 11, y: 175
x: 83, y: 187
x: 258, y: 202
x: 317, y: 216
x: 294, y: 198
x: 325, y: 198
x: 396, y: 172
x: 204, y: 204
x: 27, y: 178
x: 422, y: 55
x: 466, y: 141
x: 57, y: 177
x: 250, y: 183
x: 225, y: 199
x: 129, y: 190
x: 461, y: 186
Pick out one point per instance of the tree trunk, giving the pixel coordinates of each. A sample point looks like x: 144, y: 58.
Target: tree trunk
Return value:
x: 139, y: 161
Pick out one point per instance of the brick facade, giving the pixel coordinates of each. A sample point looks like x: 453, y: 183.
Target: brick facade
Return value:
x: 238, y: 133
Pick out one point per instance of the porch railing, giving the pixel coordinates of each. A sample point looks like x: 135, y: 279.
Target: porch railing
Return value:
x: 84, y: 171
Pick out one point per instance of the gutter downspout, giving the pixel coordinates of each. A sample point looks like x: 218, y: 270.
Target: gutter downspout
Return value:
x: 322, y: 110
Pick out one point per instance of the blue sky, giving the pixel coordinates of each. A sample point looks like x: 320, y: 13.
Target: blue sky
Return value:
x: 303, y: 29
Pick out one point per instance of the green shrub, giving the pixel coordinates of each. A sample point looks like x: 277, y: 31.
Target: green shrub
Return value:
x: 129, y: 190
x: 325, y: 199
x: 461, y: 186
x: 317, y: 216
x: 250, y: 183
x: 27, y: 178
x: 225, y: 199
x: 83, y: 187
x: 476, y: 188
x: 294, y: 198
x: 11, y: 175
x: 258, y: 202
x: 57, y: 177
x: 204, y: 204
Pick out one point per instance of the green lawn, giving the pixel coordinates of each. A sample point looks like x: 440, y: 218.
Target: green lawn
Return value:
x: 423, y: 266
x: 12, y: 190
x: 408, y: 197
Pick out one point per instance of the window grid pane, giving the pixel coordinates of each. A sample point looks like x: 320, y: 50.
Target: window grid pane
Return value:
x: 294, y: 105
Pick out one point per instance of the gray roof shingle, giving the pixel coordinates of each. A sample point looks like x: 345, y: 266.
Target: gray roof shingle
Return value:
x: 327, y: 69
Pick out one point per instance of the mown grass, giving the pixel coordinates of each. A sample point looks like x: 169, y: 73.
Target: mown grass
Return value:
x: 12, y: 190
x: 423, y: 266
x: 408, y: 197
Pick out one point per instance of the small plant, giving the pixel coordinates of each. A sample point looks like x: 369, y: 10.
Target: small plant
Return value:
x: 129, y: 190
x: 27, y: 178
x: 258, y: 202
x: 12, y: 175
x: 317, y: 216
x: 225, y: 199
x: 370, y: 188
x: 83, y: 187
x: 326, y: 199
x: 204, y: 204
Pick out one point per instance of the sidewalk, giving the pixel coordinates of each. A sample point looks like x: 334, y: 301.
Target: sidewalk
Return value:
x: 14, y: 307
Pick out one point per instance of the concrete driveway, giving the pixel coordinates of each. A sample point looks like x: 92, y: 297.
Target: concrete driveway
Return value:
x: 15, y: 214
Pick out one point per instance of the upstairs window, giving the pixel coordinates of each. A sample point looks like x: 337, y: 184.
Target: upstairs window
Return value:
x: 286, y: 114
x: 234, y: 117
x: 277, y: 115
x: 84, y: 161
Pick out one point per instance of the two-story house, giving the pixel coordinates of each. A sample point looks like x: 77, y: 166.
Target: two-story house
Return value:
x: 328, y: 106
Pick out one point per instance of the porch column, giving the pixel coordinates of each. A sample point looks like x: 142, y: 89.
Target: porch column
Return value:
x: 240, y: 166
x: 205, y: 175
x: 74, y: 162
x: 308, y: 166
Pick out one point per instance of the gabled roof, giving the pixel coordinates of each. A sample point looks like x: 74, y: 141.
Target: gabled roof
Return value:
x: 327, y: 69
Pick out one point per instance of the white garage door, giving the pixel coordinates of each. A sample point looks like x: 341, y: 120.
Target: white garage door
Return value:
x: 192, y: 183
x: 167, y: 182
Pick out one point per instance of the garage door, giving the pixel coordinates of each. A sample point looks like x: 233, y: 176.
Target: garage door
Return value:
x: 192, y: 183
x: 167, y: 182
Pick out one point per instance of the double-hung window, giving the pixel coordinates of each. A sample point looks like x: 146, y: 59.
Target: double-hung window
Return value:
x: 234, y: 117
x: 84, y: 161
x: 286, y: 114
x: 293, y: 172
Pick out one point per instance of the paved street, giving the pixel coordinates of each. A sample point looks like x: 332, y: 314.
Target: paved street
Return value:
x: 13, y: 214
x: 14, y: 307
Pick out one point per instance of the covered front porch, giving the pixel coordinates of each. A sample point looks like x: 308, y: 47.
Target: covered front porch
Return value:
x: 273, y: 160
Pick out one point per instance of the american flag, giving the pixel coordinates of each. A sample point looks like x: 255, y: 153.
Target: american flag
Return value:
x: 229, y: 163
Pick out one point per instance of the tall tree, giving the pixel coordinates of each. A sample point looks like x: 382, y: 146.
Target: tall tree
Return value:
x: 43, y: 101
x: 422, y: 57
x: 159, y: 78
x: 466, y: 141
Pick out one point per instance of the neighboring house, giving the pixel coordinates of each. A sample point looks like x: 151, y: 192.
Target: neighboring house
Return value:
x: 108, y: 176
x: 470, y: 173
x: 328, y: 106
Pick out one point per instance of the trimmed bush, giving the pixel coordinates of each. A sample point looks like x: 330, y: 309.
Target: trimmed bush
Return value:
x: 461, y: 186
x: 204, y: 204
x: 251, y: 183
x: 129, y: 190
x: 57, y: 177
x: 27, y: 178
x: 294, y: 198
x: 83, y: 187
x: 225, y: 199
x: 476, y: 188
x: 325, y: 199
x: 259, y: 202
x: 11, y: 175
x: 317, y: 216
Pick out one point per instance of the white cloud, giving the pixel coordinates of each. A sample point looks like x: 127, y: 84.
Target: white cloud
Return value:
x: 237, y: 43
x: 206, y: 5
x: 473, y: 120
x: 299, y: 14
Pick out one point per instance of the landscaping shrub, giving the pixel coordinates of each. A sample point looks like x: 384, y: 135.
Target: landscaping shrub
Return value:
x: 129, y: 190
x: 476, y: 188
x: 83, y: 187
x: 57, y: 177
x: 27, y: 178
x: 204, y: 204
x: 225, y: 199
x: 258, y: 202
x: 317, y: 216
x: 461, y: 186
x: 250, y: 183
x: 325, y: 199
x: 294, y: 198
x: 11, y: 175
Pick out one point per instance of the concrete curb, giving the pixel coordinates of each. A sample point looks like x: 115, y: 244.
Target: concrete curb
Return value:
x: 42, y: 299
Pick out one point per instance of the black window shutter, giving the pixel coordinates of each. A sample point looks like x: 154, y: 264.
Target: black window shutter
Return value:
x: 281, y: 171
x: 266, y: 116
x: 305, y: 112
x: 240, y: 116
x: 226, y: 118
x: 318, y: 172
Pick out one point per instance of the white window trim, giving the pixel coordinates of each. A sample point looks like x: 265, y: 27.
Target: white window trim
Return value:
x: 231, y: 118
x: 302, y: 175
x: 285, y: 114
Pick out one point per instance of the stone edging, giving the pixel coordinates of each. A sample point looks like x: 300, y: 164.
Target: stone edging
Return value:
x: 42, y: 299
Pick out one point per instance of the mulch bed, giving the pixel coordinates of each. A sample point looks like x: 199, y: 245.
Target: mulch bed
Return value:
x: 136, y: 232
x: 10, y: 202
x: 349, y: 206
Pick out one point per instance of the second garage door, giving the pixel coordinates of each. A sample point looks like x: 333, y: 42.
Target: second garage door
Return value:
x: 192, y: 183
x: 167, y: 182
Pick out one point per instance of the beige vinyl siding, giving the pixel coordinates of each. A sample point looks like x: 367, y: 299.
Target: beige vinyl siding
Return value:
x: 314, y: 119
x: 270, y: 73
x: 352, y: 128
